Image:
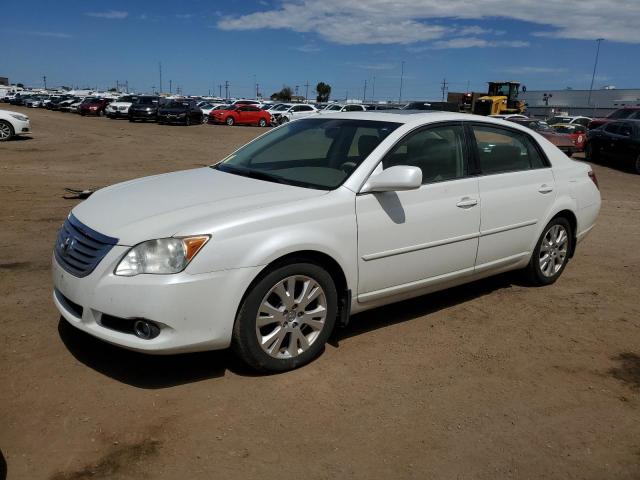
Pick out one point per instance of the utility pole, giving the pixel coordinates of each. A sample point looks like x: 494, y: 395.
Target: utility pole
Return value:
x: 170, y: 86
x: 297, y: 87
x: 364, y: 95
x: 257, y: 90
x: 126, y: 82
x: 401, y: 79
x: 444, y: 87
x: 595, y: 66
x: 44, y: 79
x: 468, y: 84
x: 373, y: 89
x: 220, y: 90
x: 306, y: 92
x: 160, y: 71
x: 226, y: 89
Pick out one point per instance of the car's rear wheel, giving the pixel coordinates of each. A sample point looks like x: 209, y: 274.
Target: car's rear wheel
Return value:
x: 6, y: 131
x: 187, y: 120
x: 262, y: 122
x: 636, y: 165
x: 286, y: 318
x: 551, y: 254
x: 590, y: 153
x: 229, y: 121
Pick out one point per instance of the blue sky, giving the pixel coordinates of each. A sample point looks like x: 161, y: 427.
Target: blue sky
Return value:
x: 202, y: 43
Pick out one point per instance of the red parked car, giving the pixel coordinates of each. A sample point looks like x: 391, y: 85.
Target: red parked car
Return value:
x: 626, y: 113
x: 578, y: 133
x: 94, y: 106
x: 240, y: 115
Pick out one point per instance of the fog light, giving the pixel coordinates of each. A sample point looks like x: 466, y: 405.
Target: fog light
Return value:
x: 145, y: 329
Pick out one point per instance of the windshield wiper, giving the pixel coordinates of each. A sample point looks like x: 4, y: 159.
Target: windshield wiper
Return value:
x: 257, y: 174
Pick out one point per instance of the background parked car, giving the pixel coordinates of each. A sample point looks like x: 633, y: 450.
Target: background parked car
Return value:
x: 65, y: 105
x: 631, y: 113
x: 179, y: 111
x: 12, y: 124
x: 94, y: 106
x: 339, y: 107
x: 120, y: 108
x: 618, y: 141
x: 145, y: 109
x: 578, y: 120
x: 576, y: 131
x: 560, y: 140
x: 293, y: 112
x: 240, y: 115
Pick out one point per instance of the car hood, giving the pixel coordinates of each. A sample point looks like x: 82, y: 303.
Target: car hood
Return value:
x: 171, y: 204
x: 120, y: 104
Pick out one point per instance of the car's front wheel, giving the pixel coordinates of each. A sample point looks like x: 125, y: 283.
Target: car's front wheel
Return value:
x: 262, y: 122
x: 229, y: 121
x: 636, y: 165
x: 590, y: 153
x: 286, y: 318
x: 551, y: 254
x: 6, y: 131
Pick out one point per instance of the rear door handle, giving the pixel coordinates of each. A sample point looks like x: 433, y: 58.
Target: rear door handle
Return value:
x: 467, y: 202
x: 544, y: 188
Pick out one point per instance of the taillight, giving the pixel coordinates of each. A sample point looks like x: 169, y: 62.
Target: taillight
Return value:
x: 594, y: 179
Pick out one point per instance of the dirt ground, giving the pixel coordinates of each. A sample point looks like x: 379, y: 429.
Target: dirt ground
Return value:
x: 486, y: 381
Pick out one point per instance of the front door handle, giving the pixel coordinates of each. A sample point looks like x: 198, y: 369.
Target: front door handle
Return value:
x: 467, y: 202
x: 544, y: 188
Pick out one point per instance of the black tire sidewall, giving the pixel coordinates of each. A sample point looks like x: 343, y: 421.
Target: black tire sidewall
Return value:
x: 245, y: 342
x: 535, y: 274
x: 262, y: 122
x: 229, y: 121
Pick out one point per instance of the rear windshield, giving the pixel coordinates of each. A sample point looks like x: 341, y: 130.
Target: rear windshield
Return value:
x: 147, y: 100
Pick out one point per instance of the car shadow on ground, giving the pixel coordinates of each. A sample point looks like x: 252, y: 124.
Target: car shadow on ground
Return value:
x: 164, y: 371
x: 21, y: 138
x: 3, y: 467
x: 388, y: 315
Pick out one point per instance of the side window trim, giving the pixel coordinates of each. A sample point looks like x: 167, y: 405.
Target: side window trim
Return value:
x: 472, y: 140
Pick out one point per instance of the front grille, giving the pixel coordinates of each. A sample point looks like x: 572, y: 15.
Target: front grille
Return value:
x: 76, y: 309
x: 79, y: 249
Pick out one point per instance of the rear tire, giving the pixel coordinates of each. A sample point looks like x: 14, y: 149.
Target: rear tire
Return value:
x: 6, y: 131
x: 636, y: 165
x: 590, y: 153
x: 276, y: 329
x: 551, y: 254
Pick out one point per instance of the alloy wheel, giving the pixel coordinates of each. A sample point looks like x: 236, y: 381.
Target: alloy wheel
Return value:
x: 291, y: 316
x: 5, y: 131
x: 553, y: 250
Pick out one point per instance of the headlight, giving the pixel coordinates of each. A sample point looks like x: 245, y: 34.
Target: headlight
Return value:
x: 163, y: 256
x: 17, y: 116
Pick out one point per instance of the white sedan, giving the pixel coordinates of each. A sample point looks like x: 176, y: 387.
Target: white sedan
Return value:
x: 323, y: 217
x: 12, y: 124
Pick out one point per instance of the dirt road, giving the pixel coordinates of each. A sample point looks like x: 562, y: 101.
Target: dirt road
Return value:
x: 487, y: 381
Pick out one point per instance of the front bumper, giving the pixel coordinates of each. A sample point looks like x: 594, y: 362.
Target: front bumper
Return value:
x: 21, y: 127
x: 143, y: 115
x: 194, y: 312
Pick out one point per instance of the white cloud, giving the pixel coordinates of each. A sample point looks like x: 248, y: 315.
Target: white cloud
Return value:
x: 473, y: 42
x: 308, y: 48
x: 44, y: 34
x: 410, y: 21
x: 534, y: 70
x: 109, y: 14
x: 376, y: 66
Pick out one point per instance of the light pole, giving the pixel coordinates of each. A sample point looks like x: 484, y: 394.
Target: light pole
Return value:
x: 401, y: 79
x: 595, y: 66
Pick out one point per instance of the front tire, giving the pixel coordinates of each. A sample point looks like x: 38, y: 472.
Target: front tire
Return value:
x: 551, y: 255
x: 230, y: 121
x: 590, y: 153
x: 262, y: 122
x: 6, y: 131
x: 286, y: 318
x: 636, y: 165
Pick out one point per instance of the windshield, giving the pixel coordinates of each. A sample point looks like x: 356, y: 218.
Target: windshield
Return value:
x: 313, y: 153
x: 559, y: 120
x: 334, y: 107
x: 622, y: 113
x: 176, y: 104
x: 147, y: 100
x: 281, y: 107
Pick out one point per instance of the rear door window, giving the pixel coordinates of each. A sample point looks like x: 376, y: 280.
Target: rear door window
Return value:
x: 501, y: 150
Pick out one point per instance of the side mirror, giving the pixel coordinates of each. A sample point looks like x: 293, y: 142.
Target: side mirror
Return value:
x: 394, y: 179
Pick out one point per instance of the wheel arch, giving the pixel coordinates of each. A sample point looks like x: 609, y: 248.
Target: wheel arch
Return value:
x: 573, y: 223
x: 315, y: 257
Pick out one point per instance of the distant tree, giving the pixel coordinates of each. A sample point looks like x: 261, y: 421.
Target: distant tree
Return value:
x: 112, y: 89
x: 64, y: 87
x: 324, y: 92
x: 20, y: 85
x: 283, y: 95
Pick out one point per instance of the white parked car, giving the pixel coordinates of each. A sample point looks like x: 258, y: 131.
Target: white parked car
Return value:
x: 12, y: 124
x: 339, y: 107
x: 510, y: 116
x: 292, y: 112
x: 575, y: 119
x: 326, y: 216
x: 120, y: 108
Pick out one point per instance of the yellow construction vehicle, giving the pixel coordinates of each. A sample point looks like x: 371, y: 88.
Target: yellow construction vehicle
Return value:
x: 502, y: 99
